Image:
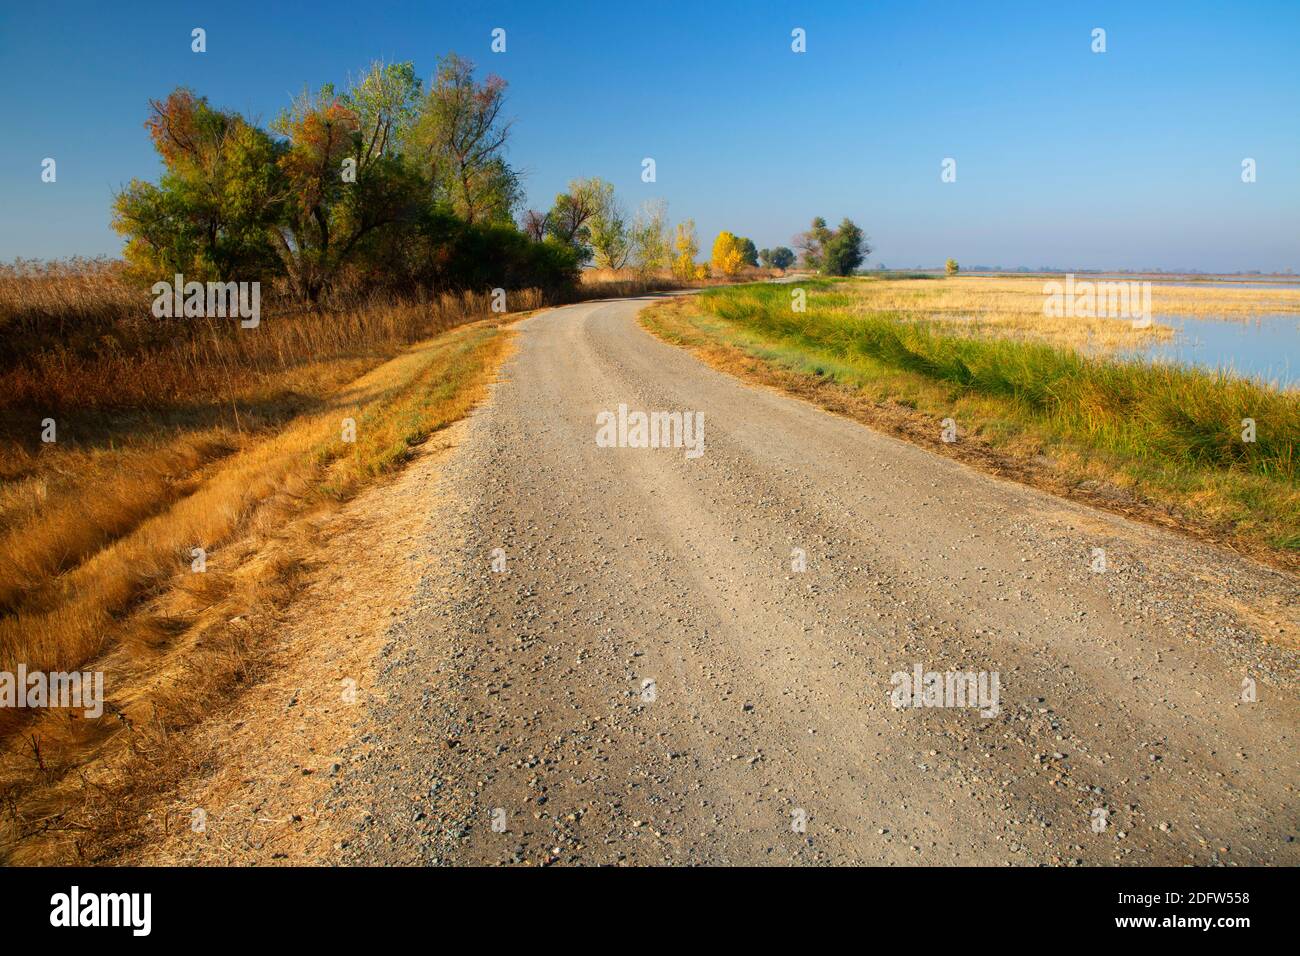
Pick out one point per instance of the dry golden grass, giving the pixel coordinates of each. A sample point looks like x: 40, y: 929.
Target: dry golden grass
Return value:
x: 132, y: 443
x: 1013, y: 308
x: 613, y: 283
x: 168, y: 639
x: 38, y: 298
x: 67, y: 506
x: 67, y: 351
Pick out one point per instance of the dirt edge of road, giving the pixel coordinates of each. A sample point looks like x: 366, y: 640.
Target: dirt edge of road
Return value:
x: 269, y: 760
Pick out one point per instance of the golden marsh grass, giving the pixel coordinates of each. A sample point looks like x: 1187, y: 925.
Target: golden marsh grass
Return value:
x: 1014, y: 308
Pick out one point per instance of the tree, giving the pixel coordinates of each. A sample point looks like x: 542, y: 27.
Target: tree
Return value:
x: 570, y: 220
x: 812, y: 243
x: 782, y: 258
x: 459, y: 142
x: 609, y: 239
x: 566, y: 223
x: 748, y: 254
x: 533, y: 225
x: 688, y: 247
x: 386, y: 101
x: 846, y: 250
x: 951, y: 267
x: 726, y: 257
x: 209, y: 215
x: 567, y: 220
x: 765, y: 258
x: 651, y: 245
x: 837, y: 253
x: 326, y: 214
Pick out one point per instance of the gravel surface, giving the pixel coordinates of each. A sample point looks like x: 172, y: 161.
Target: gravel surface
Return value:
x: 518, y: 724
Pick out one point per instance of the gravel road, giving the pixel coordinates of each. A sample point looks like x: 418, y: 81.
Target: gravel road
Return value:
x: 651, y: 679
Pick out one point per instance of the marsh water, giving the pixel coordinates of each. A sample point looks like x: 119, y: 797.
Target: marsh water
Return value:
x: 1265, y: 347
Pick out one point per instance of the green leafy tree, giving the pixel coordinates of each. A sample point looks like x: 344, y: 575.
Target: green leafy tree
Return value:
x: 951, y: 267
x: 610, y: 244
x: 570, y: 219
x: 458, y: 141
x: 589, y: 218
x: 846, y: 250
x: 649, y: 237
x: 567, y: 223
x: 782, y: 258
x: 748, y: 253
x: 208, y: 216
x: 386, y: 101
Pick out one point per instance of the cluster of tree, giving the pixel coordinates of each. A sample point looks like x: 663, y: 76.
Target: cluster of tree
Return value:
x: 589, y: 219
x: 388, y: 182
x: 838, y: 252
x: 392, y: 183
x: 778, y: 258
x: 732, y: 253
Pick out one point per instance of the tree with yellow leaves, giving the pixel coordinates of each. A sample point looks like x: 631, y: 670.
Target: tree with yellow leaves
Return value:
x: 687, y: 247
x: 728, y: 253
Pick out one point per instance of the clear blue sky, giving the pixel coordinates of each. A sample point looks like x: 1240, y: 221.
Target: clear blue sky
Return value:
x: 1066, y: 158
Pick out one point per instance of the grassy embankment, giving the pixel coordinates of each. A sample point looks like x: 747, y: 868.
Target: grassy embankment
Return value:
x: 1159, y: 442
x: 174, y: 435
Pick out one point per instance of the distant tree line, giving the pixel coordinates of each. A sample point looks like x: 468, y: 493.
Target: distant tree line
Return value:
x: 837, y: 252
x: 732, y: 253
x: 593, y: 223
x: 392, y: 183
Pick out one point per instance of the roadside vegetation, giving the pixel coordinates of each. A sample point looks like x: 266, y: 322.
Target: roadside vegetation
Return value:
x: 1159, y: 441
